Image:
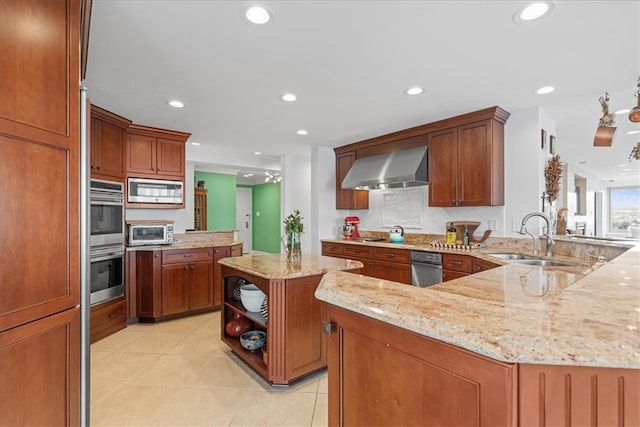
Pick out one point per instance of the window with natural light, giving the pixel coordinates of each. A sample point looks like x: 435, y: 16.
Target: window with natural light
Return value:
x: 624, y: 208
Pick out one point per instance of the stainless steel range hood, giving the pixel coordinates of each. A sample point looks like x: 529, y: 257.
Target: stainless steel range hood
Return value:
x: 398, y: 169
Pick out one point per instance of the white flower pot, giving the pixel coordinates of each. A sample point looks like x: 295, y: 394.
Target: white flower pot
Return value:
x: 634, y: 230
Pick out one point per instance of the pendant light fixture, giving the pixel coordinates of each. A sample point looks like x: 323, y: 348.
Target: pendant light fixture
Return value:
x: 634, y: 115
x: 606, y: 128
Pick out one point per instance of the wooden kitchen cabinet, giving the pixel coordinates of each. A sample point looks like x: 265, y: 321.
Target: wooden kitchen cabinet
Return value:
x: 391, y: 264
x: 108, y: 318
x: 155, y: 153
x: 478, y: 265
x: 383, y: 375
x: 175, y: 282
x: 348, y: 199
x: 296, y: 345
x: 466, y: 165
x: 200, y: 208
x: 218, y: 254
x: 455, y: 266
x: 108, y: 137
x: 187, y: 280
x: 39, y: 220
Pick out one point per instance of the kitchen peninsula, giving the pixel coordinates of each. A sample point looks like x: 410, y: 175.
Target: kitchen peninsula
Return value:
x: 513, y: 345
x: 296, y: 345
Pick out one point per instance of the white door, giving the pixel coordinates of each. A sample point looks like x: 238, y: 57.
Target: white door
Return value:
x: 243, y: 217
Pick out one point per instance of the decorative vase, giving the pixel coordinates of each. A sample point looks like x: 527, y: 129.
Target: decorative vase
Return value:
x: 292, y: 247
x: 238, y: 325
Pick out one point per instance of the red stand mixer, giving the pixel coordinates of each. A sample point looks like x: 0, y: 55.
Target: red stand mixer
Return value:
x: 350, y: 228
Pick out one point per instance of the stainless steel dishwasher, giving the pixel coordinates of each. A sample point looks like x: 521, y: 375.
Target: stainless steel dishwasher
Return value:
x: 426, y: 268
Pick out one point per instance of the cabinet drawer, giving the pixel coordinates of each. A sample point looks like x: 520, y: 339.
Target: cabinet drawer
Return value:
x: 356, y: 251
x: 402, y: 256
x: 451, y: 274
x: 460, y: 263
x: 329, y: 248
x: 478, y: 265
x: 187, y: 255
x: 108, y: 318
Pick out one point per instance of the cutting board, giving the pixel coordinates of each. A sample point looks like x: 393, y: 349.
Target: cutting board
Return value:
x: 471, y: 228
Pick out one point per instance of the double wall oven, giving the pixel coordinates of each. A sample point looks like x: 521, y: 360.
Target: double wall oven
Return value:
x: 107, y: 240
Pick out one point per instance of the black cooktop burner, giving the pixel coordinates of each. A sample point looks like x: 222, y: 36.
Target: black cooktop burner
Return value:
x: 370, y: 239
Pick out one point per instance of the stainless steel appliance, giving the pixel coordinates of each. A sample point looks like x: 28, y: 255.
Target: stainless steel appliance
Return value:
x: 107, y: 212
x: 141, y: 190
x: 426, y: 268
x: 141, y: 233
x: 106, y: 272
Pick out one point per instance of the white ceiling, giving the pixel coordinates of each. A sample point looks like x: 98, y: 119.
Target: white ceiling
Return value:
x: 349, y: 62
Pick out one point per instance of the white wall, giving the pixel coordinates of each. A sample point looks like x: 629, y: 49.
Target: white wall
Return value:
x: 295, y: 193
x: 326, y: 218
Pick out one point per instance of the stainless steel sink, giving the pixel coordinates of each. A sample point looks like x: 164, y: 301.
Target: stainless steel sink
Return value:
x: 530, y: 260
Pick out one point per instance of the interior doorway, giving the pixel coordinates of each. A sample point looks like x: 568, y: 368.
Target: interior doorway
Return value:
x: 244, y: 206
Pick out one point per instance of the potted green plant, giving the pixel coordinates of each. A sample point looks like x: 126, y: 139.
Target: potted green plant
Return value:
x: 293, y: 228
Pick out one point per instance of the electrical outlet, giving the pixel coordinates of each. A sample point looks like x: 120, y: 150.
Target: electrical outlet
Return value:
x: 257, y: 213
x: 515, y: 227
x: 492, y: 225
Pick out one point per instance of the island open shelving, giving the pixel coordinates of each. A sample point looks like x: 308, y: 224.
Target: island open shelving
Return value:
x: 296, y: 345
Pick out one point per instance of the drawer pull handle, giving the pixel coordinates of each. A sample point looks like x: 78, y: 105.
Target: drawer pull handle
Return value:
x: 456, y: 262
x: 187, y: 255
x: 112, y: 315
x: 390, y: 255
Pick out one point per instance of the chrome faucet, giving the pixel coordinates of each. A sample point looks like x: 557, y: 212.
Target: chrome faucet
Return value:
x: 550, y: 242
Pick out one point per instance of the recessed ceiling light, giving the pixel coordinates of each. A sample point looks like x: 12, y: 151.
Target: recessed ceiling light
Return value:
x: 631, y: 132
x: 414, y: 90
x: 257, y: 153
x: 544, y: 90
x: 195, y: 143
x: 288, y: 97
x: 258, y: 15
x: 175, y: 103
x: 624, y: 111
x: 622, y: 165
x: 533, y: 11
x: 302, y: 132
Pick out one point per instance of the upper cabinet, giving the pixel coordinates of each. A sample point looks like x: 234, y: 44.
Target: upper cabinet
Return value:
x: 348, y: 199
x: 466, y: 165
x: 466, y: 159
x: 155, y: 153
x: 108, y: 136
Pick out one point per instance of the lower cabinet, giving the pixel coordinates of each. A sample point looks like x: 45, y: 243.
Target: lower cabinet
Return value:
x: 37, y: 393
x: 381, y: 262
x: 108, y: 318
x: 187, y: 280
x: 175, y: 282
x: 458, y: 265
x: 383, y: 375
x: 296, y: 345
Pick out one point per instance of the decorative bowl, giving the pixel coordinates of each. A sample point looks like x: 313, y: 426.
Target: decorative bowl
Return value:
x: 251, y: 297
x: 253, y: 340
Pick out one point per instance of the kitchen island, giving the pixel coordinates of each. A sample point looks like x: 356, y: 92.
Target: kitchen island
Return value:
x: 296, y: 345
x: 514, y: 345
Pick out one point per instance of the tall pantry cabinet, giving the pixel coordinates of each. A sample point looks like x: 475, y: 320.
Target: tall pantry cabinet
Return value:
x: 39, y: 212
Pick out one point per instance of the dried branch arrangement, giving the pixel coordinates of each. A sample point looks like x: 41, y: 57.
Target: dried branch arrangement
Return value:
x: 552, y: 175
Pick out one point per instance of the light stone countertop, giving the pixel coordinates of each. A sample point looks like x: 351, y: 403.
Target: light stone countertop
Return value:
x: 513, y: 313
x: 275, y: 266
x: 184, y: 245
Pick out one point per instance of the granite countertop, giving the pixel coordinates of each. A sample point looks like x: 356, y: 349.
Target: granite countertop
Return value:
x: 184, y: 245
x: 513, y: 313
x: 275, y: 266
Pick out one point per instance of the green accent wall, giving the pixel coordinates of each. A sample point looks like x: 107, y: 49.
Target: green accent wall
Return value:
x: 221, y: 200
x: 266, y: 226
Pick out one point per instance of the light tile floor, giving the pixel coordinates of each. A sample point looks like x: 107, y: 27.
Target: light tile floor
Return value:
x: 179, y: 373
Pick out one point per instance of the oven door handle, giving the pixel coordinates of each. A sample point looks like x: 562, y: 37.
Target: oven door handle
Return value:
x: 103, y: 256
x: 109, y: 201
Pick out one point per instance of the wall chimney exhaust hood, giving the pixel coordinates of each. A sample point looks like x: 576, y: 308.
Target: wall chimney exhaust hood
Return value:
x: 398, y: 169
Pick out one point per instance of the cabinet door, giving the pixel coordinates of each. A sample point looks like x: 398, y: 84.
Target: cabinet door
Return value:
x: 141, y: 154
x: 39, y: 367
x: 201, y: 292
x: 474, y: 165
x: 175, y: 289
x: 348, y: 199
x: 478, y: 265
x: 391, y: 271
x: 443, y: 154
x: 170, y: 157
x: 219, y: 253
x: 107, y: 150
x: 452, y: 274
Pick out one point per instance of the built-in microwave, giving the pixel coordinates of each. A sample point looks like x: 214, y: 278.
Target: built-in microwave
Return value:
x: 143, y: 233
x: 142, y: 190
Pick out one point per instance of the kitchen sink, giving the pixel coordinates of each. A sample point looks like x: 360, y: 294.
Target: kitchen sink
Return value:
x: 530, y: 260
